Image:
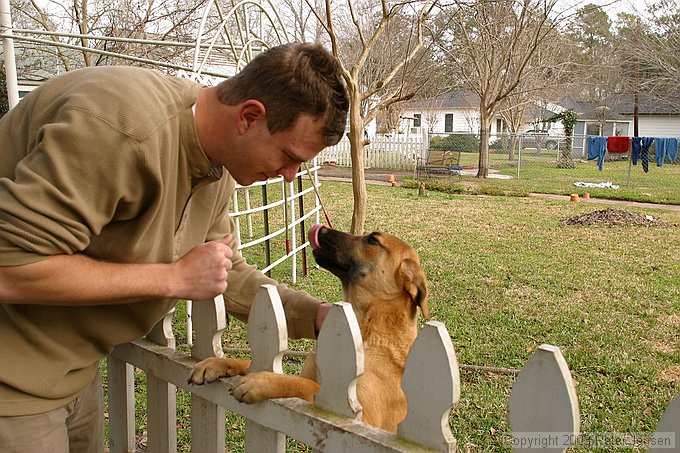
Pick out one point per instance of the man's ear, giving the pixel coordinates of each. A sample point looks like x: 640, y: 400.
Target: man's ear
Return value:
x: 250, y: 111
x: 415, y: 284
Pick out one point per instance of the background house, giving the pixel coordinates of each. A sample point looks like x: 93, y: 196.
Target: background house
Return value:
x: 614, y: 116
x: 457, y: 112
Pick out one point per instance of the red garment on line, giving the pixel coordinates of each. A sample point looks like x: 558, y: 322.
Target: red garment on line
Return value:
x: 618, y: 144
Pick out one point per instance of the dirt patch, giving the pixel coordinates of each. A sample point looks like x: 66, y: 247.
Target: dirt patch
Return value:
x: 670, y: 374
x: 371, y: 174
x: 615, y: 217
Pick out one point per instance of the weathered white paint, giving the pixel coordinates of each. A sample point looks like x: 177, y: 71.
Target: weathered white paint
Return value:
x: 430, y: 400
x: 543, y: 398
x: 319, y: 428
x: 340, y: 359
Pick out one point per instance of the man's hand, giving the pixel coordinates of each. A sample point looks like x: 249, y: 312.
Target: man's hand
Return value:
x: 202, y: 273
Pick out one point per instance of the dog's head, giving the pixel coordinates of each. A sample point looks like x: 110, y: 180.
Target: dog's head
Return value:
x: 375, y: 266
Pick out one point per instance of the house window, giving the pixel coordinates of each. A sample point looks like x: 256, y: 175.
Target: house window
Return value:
x: 417, y: 118
x: 448, y: 122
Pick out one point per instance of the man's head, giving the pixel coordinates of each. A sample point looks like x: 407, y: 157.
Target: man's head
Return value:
x: 297, y: 93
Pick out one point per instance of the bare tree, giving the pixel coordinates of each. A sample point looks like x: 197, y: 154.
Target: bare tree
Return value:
x: 490, y: 48
x: 653, y: 57
x: 79, y: 30
x: 598, y: 66
x: 382, y: 49
x: 546, y: 76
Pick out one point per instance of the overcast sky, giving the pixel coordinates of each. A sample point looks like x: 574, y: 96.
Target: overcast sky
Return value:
x: 612, y: 7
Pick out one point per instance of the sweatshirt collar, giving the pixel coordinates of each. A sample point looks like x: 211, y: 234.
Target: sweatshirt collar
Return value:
x: 199, y: 164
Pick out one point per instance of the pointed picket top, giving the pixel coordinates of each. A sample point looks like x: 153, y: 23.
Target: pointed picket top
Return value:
x: 431, y: 382
x: 267, y: 330
x: 667, y: 436
x: 543, y: 402
x: 209, y: 319
x: 340, y: 360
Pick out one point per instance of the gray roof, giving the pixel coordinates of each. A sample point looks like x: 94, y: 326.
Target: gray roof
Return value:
x: 448, y: 100
x: 621, y: 104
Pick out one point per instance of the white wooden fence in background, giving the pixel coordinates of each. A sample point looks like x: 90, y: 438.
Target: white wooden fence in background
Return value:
x: 399, y: 152
x: 543, y: 400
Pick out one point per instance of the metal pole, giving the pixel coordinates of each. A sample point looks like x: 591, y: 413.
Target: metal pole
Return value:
x: 8, y: 50
x: 519, y: 156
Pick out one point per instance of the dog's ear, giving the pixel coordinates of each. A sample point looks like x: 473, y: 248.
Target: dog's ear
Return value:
x: 415, y: 284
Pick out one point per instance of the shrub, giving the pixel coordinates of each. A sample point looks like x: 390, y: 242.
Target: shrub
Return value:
x: 467, y: 143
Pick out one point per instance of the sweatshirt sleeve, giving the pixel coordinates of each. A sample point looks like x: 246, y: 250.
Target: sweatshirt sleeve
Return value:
x: 66, y: 189
x: 245, y: 280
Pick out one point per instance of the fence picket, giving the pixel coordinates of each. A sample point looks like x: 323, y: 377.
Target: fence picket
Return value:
x: 161, y: 401
x: 430, y: 400
x: 161, y: 397
x: 268, y: 338
x: 340, y: 359
x: 543, y: 400
x: 121, y: 396
x: 207, y: 418
x: 267, y: 330
x: 668, y: 430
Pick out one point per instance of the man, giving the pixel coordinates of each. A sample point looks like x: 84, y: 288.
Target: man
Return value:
x: 114, y: 195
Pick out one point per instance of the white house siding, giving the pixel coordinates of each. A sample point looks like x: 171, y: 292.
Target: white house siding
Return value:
x: 464, y: 121
x: 658, y: 126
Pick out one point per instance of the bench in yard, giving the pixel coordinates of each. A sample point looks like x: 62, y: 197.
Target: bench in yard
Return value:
x: 440, y: 162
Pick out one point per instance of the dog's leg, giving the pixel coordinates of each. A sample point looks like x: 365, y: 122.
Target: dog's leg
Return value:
x: 213, y: 368
x: 264, y: 385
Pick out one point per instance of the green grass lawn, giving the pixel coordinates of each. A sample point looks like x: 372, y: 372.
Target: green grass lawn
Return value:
x: 505, y: 276
x: 540, y: 173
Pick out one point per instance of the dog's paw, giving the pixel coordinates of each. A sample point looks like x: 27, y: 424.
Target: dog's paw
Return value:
x: 214, y: 368
x: 253, y: 388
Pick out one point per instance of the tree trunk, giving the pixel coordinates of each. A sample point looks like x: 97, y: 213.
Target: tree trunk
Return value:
x: 356, y: 140
x: 483, y: 170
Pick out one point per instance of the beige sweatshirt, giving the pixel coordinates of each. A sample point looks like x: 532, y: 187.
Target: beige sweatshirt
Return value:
x: 106, y: 162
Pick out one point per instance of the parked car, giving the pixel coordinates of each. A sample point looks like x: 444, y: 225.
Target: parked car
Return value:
x: 539, y: 139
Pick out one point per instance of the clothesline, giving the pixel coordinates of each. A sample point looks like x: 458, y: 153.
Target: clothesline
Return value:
x: 666, y: 149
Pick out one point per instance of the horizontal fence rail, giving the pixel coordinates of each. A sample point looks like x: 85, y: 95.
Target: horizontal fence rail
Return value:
x: 542, y: 404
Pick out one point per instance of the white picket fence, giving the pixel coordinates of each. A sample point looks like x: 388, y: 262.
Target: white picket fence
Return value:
x: 398, y: 152
x: 543, y: 399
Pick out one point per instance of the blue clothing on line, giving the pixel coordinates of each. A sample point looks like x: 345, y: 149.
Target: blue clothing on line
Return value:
x: 597, y: 148
x: 660, y: 147
x: 640, y: 148
x: 672, y: 149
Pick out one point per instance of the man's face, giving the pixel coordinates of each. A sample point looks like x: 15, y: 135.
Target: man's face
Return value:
x: 267, y: 155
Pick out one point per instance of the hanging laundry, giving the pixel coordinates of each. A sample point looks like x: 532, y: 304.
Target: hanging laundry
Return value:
x: 597, y: 147
x: 618, y: 144
x: 640, y: 149
x: 660, y: 150
x: 672, y: 149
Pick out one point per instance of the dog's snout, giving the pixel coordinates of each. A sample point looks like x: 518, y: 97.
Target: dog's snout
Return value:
x: 314, y: 233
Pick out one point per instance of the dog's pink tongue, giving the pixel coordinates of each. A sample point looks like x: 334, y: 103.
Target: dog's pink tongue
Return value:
x: 313, y: 235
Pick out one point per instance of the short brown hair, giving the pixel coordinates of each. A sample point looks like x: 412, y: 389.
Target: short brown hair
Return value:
x: 289, y: 80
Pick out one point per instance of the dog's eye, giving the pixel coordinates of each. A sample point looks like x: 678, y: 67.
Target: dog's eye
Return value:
x: 372, y: 240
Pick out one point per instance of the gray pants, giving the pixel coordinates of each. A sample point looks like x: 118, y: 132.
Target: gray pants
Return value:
x: 77, y: 427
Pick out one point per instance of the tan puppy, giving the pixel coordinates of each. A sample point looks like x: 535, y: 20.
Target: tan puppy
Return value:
x: 382, y: 279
